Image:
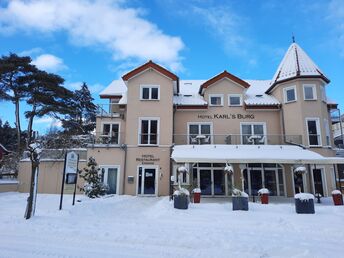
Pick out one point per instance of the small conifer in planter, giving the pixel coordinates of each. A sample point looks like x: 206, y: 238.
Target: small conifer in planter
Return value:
x: 181, y: 197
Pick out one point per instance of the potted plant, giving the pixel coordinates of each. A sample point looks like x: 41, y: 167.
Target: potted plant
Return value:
x: 240, y: 200
x: 196, y: 195
x: 264, y: 195
x: 304, y: 203
x: 181, y: 199
x: 337, y: 197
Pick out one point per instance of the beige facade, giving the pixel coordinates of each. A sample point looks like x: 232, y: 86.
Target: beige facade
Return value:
x: 137, y: 132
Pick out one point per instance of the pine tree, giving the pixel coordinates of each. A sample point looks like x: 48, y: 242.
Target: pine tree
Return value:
x: 82, y: 121
x: 93, y: 187
x: 15, y: 75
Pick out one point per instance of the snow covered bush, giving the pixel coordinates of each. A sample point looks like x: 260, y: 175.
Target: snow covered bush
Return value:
x: 237, y: 193
x: 93, y: 186
x: 181, y: 192
x: 263, y: 191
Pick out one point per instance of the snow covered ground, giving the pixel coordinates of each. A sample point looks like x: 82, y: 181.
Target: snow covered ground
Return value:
x: 126, y: 226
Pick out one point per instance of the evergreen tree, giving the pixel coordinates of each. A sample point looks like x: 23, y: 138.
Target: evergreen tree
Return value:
x: 15, y: 75
x: 8, y: 136
x: 93, y: 187
x: 83, y: 120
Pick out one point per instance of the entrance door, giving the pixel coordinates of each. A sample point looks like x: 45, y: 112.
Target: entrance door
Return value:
x: 146, y: 181
x: 109, y: 177
x: 318, y: 181
x: 205, y: 182
x: 256, y: 181
x: 219, y: 182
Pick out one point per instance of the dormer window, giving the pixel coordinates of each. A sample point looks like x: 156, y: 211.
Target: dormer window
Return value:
x: 216, y: 99
x: 309, y: 92
x: 290, y: 94
x: 234, y: 100
x: 149, y: 92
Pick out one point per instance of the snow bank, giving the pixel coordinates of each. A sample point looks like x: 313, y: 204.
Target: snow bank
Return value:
x: 304, y: 196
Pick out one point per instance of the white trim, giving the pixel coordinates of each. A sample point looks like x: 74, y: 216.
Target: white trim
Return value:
x: 319, y: 134
x: 216, y: 95
x: 327, y: 132
x: 118, y: 167
x: 149, y: 125
x: 149, y: 86
x: 323, y: 93
x: 285, y: 94
x: 156, y: 168
x: 234, y: 95
x: 253, y: 123
x: 111, y: 123
x: 314, y: 91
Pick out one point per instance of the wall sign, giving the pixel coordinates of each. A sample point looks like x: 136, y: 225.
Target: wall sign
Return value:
x: 147, y: 159
x: 226, y: 116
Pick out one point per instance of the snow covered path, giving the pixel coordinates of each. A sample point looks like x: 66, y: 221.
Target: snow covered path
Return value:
x: 125, y: 226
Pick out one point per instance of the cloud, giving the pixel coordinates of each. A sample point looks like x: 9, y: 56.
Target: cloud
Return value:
x: 48, y: 62
x: 121, y: 30
x: 336, y: 17
x: 94, y: 88
x: 30, y: 52
x: 49, y: 121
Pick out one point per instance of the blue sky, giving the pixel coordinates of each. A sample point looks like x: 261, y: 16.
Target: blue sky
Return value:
x: 98, y: 41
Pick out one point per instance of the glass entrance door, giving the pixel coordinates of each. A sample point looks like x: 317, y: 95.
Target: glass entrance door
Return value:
x: 205, y: 181
x: 219, y: 182
x: 318, y: 182
x: 146, y: 181
x: 256, y: 181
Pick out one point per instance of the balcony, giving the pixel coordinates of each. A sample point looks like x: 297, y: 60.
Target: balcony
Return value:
x: 237, y: 139
x: 109, y: 110
x: 101, y: 139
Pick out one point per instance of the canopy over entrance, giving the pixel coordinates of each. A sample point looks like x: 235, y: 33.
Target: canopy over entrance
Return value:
x: 284, y: 154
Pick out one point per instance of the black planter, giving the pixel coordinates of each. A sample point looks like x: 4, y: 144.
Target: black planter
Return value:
x: 304, y: 206
x: 181, y: 202
x: 240, y: 203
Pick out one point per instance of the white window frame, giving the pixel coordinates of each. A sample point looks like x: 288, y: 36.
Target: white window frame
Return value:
x: 318, y: 130
x: 157, y: 175
x: 111, y: 124
x: 285, y: 94
x: 253, y: 123
x: 216, y: 95
x: 199, y: 123
x: 327, y: 132
x: 323, y: 178
x: 150, y: 87
x: 118, y: 175
x: 314, y: 91
x: 234, y: 95
x: 149, y: 125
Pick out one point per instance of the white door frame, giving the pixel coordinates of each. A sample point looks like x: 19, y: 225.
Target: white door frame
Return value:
x: 211, y: 169
x: 156, y: 168
x: 323, y: 178
x: 106, y: 167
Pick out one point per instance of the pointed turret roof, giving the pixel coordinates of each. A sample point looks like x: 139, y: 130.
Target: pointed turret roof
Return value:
x: 296, y: 64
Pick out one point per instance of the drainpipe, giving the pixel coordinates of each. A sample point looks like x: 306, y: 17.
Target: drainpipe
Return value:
x: 335, y: 175
x: 283, y: 124
x: 124, y: 147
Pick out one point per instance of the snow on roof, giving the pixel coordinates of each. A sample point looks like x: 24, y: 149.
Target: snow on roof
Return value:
x: 255, y: 94
x: 190, y: 87
x: 296, y: 63
x: 287, y: 154
x: 115, y: 88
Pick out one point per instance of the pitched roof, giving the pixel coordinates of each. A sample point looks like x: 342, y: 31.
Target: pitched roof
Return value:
x: 150, y: 64
x: 296, y: 64
x: 221, y: 76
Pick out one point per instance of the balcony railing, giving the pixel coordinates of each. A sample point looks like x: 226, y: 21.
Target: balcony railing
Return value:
x: 101, y: 138
x: 237, y: 139
x: 109, y: 110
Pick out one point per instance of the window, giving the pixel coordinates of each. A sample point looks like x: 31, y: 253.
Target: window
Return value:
x: 110, y: 133
x: 216, y: 99
x: 290, y: 94
x: 149, y: 129
x: 323, y: 93
x: 313, y: 130
x: 150, y: 92
x: 234, y: 100
x: 309, y: 92
x: 199, y: 133
x: 253, y: 133
x: 327, y: 130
